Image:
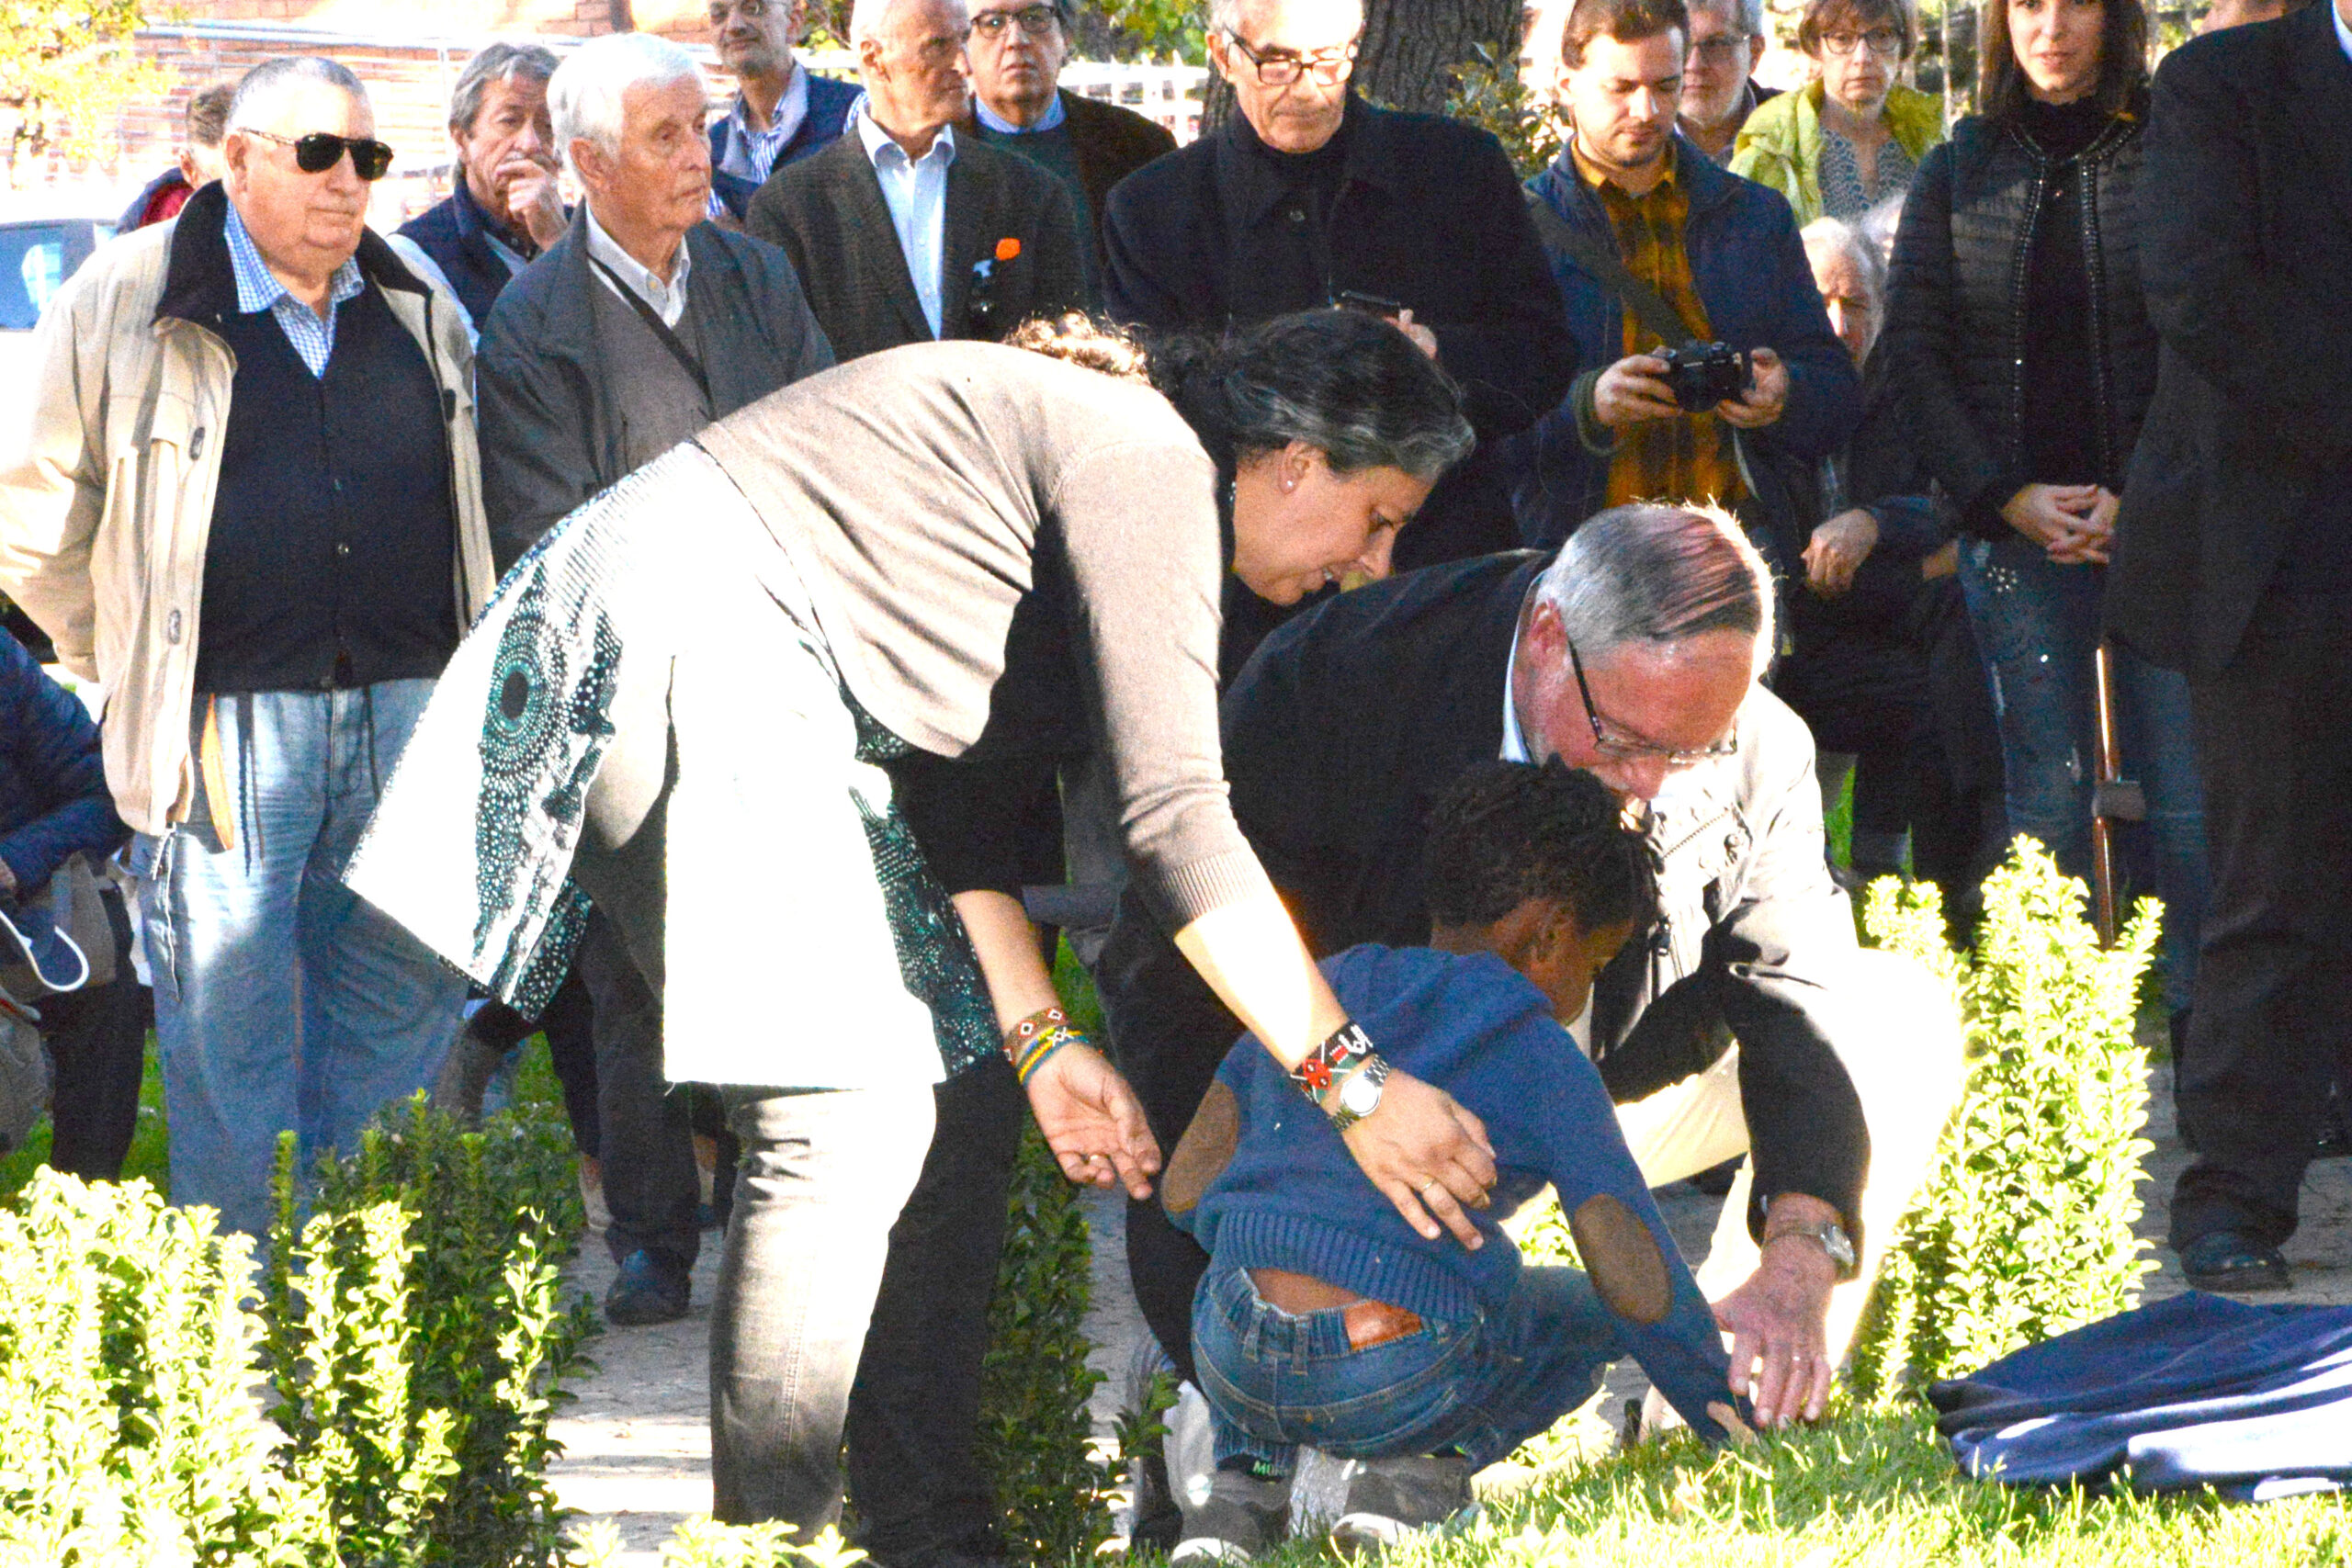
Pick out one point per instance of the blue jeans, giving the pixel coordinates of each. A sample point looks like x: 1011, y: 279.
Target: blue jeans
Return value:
x: 1482, y: 1385
x: 2037, y: 623
x: 282, y: 998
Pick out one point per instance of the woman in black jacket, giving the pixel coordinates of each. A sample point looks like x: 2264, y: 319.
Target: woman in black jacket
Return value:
x: 2021, y: 351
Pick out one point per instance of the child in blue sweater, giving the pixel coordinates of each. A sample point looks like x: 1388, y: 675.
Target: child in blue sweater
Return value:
x: 1324, y: 1318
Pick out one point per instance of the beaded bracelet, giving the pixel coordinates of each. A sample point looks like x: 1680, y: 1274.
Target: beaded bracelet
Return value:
x: 1036, y: 1037
x: 1328, y: 1062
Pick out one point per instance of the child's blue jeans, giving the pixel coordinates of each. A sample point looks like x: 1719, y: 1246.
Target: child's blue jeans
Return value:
x: 1481, y: 1385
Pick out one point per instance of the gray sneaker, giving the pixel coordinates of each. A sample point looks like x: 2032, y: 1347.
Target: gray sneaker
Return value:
x: 1241, y: 1516
x: 1391, y: 1500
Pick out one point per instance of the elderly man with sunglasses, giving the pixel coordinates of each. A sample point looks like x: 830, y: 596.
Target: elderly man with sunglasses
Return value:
x: 1745, y: 1021
x: 245, y: 499
x: 1310, y: 196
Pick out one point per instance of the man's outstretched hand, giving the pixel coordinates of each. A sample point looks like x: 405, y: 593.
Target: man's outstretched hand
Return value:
x: 1779, y: 1322
x: 1093, y: 1122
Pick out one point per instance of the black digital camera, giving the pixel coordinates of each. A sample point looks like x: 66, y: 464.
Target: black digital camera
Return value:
x: 1705, y: 374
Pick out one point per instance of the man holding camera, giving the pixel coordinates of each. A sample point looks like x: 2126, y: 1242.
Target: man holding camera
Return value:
x: 1631, y: 199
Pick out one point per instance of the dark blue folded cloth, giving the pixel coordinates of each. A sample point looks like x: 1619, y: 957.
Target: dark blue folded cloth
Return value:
x: 2198, y: 1391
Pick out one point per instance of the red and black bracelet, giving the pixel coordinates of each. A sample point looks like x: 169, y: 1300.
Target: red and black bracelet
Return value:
x: 1330, y: 1062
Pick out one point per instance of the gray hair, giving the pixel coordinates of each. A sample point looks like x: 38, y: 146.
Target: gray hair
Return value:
x: 868, y: 18
x: 1869, y: 263
x: 1225, y: 16
x: 1747, y: 15
x: 1652, y: 573
x: 499, y: 62
x: 584, y: 94
x: 259, y: 90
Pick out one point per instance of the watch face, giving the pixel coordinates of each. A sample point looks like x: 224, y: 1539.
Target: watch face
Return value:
x: 1361, y: 1094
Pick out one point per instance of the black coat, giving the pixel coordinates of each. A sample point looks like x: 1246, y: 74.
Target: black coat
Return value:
x: 2247, y: 265
x: 552, y: 437
x: 828, y: 214
x: 1957, y: 316
x: 1339, y: 737
x: 1428, y: 214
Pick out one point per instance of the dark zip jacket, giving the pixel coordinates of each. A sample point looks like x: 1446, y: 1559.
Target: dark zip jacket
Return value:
x: 1960, y: 311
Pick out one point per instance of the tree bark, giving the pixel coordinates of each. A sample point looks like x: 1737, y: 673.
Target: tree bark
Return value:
x: 1408, y: 46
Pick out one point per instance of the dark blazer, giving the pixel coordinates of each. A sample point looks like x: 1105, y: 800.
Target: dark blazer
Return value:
x: 1337, y: 738
x: 828, y: 214
x: 1751, y: 273
x: 2244, y: 262
x: 453, y: 233
x: 550, y: 435
x: 829, y: 106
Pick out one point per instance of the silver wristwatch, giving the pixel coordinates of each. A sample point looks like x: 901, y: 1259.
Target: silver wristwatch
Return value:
x: 1834, y: 1241
x: 1359, y: 1095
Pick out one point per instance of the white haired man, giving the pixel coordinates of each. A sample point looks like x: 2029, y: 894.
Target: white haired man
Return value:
x: 264, y: 541
x: 638, y: 326
x: 904, y: 231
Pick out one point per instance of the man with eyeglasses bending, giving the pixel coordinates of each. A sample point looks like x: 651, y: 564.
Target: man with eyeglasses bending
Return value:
x: 1742, y: 1021
x: 1309, y: 195
x: 263, y: 538
x: 1017, y: 51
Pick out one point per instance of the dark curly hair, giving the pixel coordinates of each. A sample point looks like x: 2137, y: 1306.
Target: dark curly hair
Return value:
x: 1506, y: 832
x: 1348, y: 384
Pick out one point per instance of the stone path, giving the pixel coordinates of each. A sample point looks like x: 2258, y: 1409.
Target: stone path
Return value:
x: 638, y: 1440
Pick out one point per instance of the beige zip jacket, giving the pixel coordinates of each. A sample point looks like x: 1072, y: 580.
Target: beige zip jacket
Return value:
x: 106, y: 477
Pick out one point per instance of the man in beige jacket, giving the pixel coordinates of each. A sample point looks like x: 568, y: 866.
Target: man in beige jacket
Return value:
x: 246, y: 500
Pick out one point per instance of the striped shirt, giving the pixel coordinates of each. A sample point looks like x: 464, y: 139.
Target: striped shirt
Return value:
x: 258, y: 288
x: 1688, y: 459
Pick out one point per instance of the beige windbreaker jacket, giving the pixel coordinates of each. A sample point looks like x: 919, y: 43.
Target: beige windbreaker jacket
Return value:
x: 106, y: 477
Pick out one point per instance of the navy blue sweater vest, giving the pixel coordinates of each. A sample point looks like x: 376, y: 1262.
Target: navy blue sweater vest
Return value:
x: 332, y: 529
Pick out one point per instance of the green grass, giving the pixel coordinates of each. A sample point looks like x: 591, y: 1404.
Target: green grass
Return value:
x: 150, y: 1154
x: 1862, y: 1490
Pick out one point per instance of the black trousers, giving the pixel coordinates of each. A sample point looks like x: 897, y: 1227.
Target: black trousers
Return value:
x: 569, y: 1023
x: 98, y: 1042
x: 914, y: 1410
x: 2271, y: 1027
x: 645, y: 1127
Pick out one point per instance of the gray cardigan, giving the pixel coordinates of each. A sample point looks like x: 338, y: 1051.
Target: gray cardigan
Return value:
x: 927, y: 495
x: 551, y: 435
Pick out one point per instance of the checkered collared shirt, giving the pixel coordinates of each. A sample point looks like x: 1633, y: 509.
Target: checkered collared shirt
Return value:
x: 259, y: 289
x: 1688, y: 459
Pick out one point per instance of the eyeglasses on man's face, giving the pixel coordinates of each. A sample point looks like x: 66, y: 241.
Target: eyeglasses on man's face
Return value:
x: 1280, y: 67
x: 1034, y: 21
x: 1884, y: 42
x: 1720, y: 51
x: 323, y: 150
x: 1618, y: 748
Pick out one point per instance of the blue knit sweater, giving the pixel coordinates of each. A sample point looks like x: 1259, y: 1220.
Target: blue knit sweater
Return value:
x: 1292, y: 1197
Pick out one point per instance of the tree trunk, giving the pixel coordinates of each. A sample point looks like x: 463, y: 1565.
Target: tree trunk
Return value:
x: 1408, y: 46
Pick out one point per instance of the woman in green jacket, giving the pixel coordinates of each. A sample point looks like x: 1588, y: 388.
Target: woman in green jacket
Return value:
x: 1851, y: 138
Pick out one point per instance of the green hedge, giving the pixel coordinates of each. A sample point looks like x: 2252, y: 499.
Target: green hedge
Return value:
x: 382, y: 1401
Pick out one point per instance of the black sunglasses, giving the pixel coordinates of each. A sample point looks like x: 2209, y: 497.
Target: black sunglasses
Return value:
x: 323, y: 150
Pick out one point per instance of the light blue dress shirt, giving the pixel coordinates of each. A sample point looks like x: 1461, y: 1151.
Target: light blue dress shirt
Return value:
x: 259, y: 289
x: 915, y: 190
x: 990, y: 120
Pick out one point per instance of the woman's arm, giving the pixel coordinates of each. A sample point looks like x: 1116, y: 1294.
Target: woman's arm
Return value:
x: 1425, y: 1152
